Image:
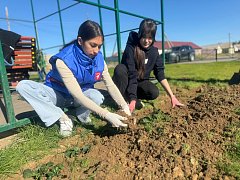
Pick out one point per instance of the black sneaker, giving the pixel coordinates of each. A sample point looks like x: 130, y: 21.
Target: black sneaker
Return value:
x: 139, y: 104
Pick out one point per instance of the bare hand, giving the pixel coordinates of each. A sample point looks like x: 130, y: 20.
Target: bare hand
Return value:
x: 175, y: 102
x: 132, y: 105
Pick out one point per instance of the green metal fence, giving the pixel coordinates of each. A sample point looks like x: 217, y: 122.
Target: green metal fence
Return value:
x: 11, y: 120
x: 9, y: 111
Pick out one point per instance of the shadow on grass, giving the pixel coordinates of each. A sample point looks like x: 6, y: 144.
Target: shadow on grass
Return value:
x: 209, y: 81
x: 104, y: 131
x: 31, y: 115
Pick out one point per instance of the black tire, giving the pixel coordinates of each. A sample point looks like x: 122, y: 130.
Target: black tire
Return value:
x: 191, y: 57
x: 177, y: 59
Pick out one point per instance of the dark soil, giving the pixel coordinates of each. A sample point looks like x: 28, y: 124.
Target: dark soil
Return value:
x: 160, y: 143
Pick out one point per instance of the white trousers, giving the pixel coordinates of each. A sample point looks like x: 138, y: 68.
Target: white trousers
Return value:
x: 49, y: 103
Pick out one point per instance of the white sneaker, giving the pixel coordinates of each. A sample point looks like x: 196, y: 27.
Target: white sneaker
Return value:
x: 85, y: 121
x: 66, y: 125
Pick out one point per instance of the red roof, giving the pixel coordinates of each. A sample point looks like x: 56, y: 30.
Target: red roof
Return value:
x: 168, y: 45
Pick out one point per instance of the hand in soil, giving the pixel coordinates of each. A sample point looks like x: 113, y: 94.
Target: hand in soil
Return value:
x: 131, y: 120
x: 175, y: 102
x: 116, y: 120
x: 126, y: 110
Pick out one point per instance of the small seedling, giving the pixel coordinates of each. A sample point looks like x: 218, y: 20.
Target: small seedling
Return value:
x: 154, y: 122
x: 186, y: 148
x: 237, y: 111
x: 85, y: 149
x: 210, y: 135
x: 148, y: 124
x: 84, y: 163
x: 48, y: 171
x: 73, y: 152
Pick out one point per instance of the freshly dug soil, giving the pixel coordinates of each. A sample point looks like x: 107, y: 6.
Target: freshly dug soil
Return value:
x: 160, y: 142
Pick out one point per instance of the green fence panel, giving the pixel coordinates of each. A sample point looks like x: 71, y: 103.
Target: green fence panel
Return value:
x: 8, y: 110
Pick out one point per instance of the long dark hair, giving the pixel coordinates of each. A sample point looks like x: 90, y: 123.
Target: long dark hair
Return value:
x: 88, y: 30
x: 148, y: 29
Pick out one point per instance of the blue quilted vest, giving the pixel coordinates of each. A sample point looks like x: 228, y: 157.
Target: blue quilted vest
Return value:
x: 87, y: 71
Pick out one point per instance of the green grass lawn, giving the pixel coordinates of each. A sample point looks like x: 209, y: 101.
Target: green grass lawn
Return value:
x: 193, y: 75
x: 219, y: 71
x: 204, y: 72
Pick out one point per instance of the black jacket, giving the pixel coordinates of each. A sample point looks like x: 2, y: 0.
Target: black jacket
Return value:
x: 8, y: 38
x: 154, y: 63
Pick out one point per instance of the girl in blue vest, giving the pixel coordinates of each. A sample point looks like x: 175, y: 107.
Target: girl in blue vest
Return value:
x: 139, y: 59
x: 75, y: 70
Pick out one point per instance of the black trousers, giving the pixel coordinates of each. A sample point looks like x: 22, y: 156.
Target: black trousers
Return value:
x: 145, y: 89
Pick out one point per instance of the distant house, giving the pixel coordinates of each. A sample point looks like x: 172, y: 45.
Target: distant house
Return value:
x: 236, y: 47
x: 168, y: 45
x: 223, y: 47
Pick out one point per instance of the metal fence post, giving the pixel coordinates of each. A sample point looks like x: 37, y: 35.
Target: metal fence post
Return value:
x: 118, y: 30
x: 11, y: 121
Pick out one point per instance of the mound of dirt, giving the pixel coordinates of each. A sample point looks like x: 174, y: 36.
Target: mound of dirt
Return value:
x: 160, y: 142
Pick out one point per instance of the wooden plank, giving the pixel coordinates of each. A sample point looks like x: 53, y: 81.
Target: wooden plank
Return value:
x: 20, y: 67
x: 26, y: 44
x: 21, y: 60
x: 23, y: 53
x: 27, y: 38
x: 23, y: 57
x: 23, y: 63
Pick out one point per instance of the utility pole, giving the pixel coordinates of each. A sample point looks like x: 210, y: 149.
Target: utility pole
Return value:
x: 231, y: 48
x: 229, y: 39
x: 8, y: 23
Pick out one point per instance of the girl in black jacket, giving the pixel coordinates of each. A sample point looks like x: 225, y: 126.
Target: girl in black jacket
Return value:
x: 140, y: 57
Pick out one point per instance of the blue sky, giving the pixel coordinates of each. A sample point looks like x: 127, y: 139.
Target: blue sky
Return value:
x: 202, y: 22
